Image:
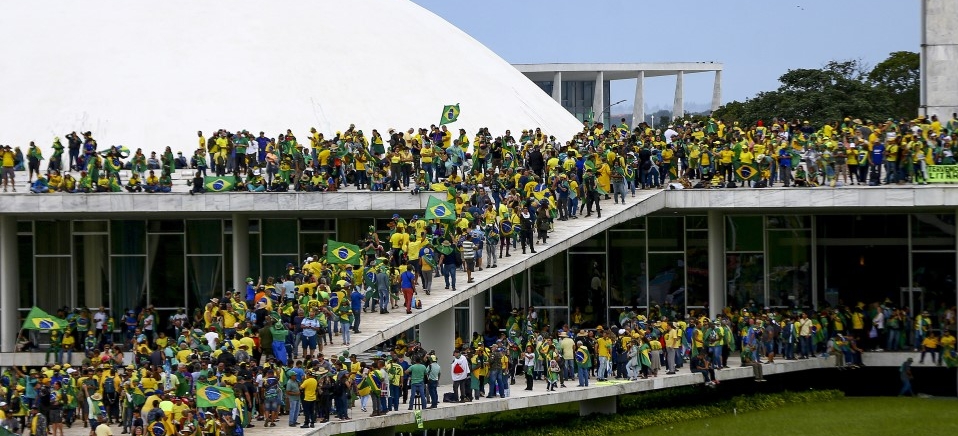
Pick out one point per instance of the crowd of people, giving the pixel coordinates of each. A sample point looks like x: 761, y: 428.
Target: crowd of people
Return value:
x: 696, y: 153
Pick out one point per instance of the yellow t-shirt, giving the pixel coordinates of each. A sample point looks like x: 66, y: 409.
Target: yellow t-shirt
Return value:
x: 308, y: 389
x: 725, y: 156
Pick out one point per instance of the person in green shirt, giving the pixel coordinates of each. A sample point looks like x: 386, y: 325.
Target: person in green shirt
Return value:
x: 417, y: 376
x: 279, y: 332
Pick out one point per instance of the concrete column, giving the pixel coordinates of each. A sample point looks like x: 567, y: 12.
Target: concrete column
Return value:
x: 638, y: 105
x: 557, y: 87
x: 598, y: 97
x: 600, y: 406
x: 477, y: 314
x: 678, y: 105
x: 240, y: 252
x: 716, y: 222
x: 717, y: 91
x: 9, y: 286
x: 439, y: 333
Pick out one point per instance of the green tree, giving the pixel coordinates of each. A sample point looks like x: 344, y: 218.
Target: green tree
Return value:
x: 900, y: 75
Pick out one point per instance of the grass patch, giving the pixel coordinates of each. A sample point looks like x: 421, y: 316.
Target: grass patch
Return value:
x: 848, y: 417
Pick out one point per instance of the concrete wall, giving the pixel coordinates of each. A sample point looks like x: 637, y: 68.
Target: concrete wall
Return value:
x: 939, y: 53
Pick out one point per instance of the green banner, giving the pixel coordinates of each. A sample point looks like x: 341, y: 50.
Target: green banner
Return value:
x: 943, y: 173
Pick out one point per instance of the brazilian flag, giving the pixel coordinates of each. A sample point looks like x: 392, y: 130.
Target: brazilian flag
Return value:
x: 507, y: 228
x: 219, y: 184
x: 582, y: 357
x: 540, y: 191
x: 37, y: 319
x: 214, y: 396
x: 342, y: 253
x: 747, y: 172
x: 429, y: 256
x: 450, y: 113
x: 440, y: 210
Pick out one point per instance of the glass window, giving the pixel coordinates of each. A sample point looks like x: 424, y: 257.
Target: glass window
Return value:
x: 789, y: 268
x: 697, y: 222
x: 548, y: 286
x: 934, y: 275
x: 744, y: 233
x: 317, y: 225
x: 789, y: 222
x: 91, y: 269
x: 666, y: 233
x: 127, y: 237
x: 594, y: 243
x: 552, y: 318
x: 933, y: 231
x: 312, y: 243
x: 90, y: 226
x: 697, y: 256
x: 745, y: 278
x: 632, y: 224
x: 53, y: 237
x: 864, y: 272
x: 25, y: 269
x: 275, y: 266
x: 54, y: 285
x: 204, y: 279
x: 204, y: 236
x: 588, y: 282
x: 167, y: 275
x: 279, y: 236
x: 128, y: 282
x: 165, y: 226
x: 26, y: 226
x: 254, y: 258
x: 627, y: 282
x: 863, y: 226
x: 667, y: 279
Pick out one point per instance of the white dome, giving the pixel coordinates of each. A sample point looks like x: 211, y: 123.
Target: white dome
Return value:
x: 150, y: 73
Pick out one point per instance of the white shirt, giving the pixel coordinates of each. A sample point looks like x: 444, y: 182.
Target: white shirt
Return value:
x: 148, y: 322
x: 98, y: 319
x: 211, y: 339
x: 309, y: 322
x: 879, y: 320
x: 253, y: 148
x: 462, y: 362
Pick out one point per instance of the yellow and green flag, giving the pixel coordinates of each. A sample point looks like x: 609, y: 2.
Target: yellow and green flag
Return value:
x: 450, y: 113
x: 214, y: 396
x: 219, y: 184
x: 440, y: 210
x: 342, y: 253
x: 37, y: 319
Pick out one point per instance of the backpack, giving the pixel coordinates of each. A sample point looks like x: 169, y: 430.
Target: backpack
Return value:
x: 272, y: 391
x: 713, y: 337
x: 109, y: 385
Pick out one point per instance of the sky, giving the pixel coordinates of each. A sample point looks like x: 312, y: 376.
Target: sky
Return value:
x: 755, y: 40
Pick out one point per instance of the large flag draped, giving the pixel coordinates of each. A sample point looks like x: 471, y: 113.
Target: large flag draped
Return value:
x: 440, y: 210
x: 214, y: 396
x: 342, y: 253
x: 37, y: 319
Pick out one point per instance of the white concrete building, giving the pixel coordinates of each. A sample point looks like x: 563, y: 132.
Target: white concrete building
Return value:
x: 583, y: 89
x: 151, y: 73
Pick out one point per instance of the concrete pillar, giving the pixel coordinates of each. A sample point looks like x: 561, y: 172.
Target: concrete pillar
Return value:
x: 557, y: 87
x: 9, y: 286
x: 240, y: 252
x: 638, y: 105
x: 477, y: 314
x: 717, y: 91
x: 598, y: 97
x: 601, y: 406
x: 678, y: 105
x: 382, y: 431
x: 716, y: 223
x: 439, y: 333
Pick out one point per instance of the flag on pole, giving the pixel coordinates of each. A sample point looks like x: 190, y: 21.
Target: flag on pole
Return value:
x: 440, y: 210
x: 37, y: 319
x: 214, y: 396
x: 342, y: 253
x: 219, y: 184
x: 450, y: 113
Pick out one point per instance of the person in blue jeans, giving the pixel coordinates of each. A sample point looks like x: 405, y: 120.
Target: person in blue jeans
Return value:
x: 356, y: 300
x: 417, y: 381
x: 293, y: 393
x: 448, y: 263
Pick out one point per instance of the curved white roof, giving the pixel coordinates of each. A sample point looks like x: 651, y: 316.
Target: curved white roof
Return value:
x: 150, y: 73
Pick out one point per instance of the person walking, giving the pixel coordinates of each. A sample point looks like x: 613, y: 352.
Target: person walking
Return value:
x: 906, y: 377
x: 408, y: 285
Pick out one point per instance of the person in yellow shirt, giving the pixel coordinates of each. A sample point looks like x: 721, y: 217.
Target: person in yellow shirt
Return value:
x: 603, y: 347
x: 929, y: 345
